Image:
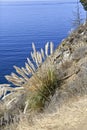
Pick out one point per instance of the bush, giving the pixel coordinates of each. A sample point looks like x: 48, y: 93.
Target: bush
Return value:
x: 42, y: 90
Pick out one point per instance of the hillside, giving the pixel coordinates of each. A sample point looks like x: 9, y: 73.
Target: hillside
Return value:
x: 71, y: 116
x: 66, y: 104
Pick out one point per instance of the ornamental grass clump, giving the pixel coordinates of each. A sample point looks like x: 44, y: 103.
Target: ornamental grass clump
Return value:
x: 38, y: 92
x: 42, y: 91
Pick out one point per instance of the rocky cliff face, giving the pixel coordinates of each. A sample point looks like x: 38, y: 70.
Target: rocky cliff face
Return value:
x: 70, y: 60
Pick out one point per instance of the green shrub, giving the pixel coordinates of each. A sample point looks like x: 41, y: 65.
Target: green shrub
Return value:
x: 45, y: 88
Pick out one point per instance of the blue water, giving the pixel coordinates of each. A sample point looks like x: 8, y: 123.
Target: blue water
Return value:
x: 22, y: 24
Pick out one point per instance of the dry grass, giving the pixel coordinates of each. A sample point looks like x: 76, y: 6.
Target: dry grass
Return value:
x: 24, y: 74
x: 72, y: 116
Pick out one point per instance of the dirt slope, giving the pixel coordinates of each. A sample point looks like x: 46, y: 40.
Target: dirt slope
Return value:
x: 72, y: 116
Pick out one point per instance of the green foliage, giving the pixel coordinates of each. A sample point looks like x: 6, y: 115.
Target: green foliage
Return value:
x: 84, y: 3
x: 40, y: 96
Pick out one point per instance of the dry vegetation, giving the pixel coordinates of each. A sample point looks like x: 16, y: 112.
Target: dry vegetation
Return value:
x: 37, y: 93
x: 71, y: 116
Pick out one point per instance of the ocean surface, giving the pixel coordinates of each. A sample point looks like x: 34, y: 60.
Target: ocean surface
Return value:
x: 24, y: 23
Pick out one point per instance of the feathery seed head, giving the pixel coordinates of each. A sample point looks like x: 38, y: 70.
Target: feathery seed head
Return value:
x: 46, y: 48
